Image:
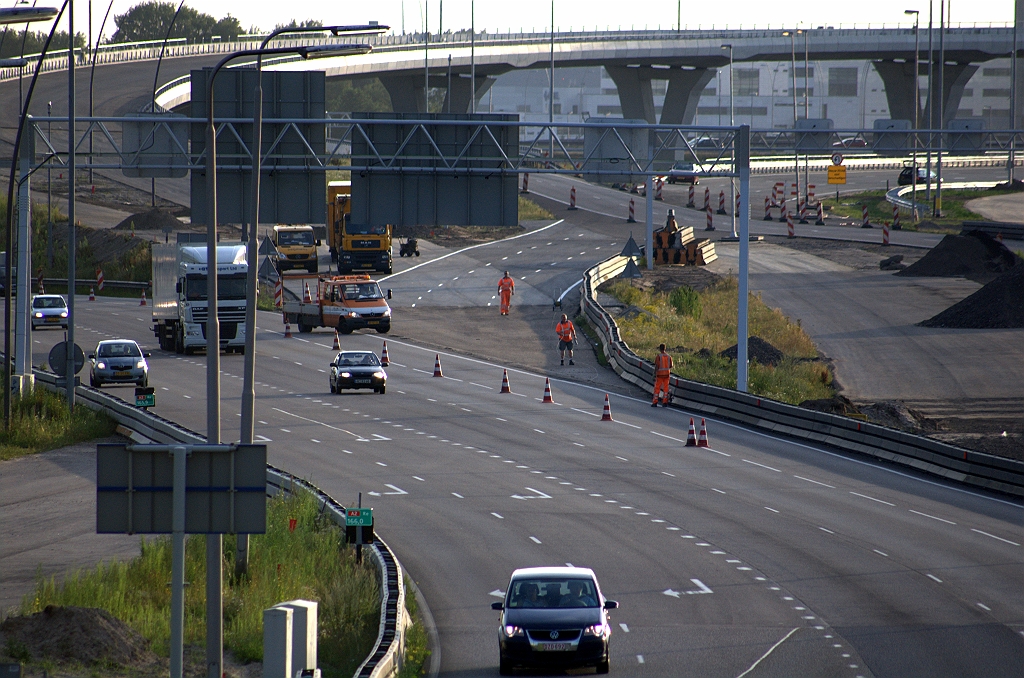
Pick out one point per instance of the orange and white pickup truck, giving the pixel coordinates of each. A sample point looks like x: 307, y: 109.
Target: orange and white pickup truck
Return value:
x: 344, y: 302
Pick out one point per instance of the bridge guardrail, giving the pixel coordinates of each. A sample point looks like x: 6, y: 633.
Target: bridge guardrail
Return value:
x: 895, y: 196
x: 924, y: 454
x: 389, y: 649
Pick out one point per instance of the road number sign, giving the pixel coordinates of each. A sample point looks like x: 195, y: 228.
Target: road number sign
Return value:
x: 837, y: 174
x: 358, y: 517
x: 837, y: 158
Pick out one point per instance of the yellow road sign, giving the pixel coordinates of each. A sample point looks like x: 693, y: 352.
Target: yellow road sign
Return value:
x: 837, y: 174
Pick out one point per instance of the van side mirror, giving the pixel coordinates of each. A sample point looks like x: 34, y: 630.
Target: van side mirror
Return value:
x: 389, y: 293
x: 92, y: 356
x: 318, y: 242
x: 611, y: 604
x: 497, y: 606
x: 177, y: 287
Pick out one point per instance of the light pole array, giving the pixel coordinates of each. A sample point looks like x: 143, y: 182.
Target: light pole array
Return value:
x: 732, y: 123
x: 917, y: 106
x: 792, y: 61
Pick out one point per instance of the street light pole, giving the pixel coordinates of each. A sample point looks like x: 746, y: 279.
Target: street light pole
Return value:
x: 942, y: 112
x: 70, y: 344
x: 732, y: 123
x: 917, y: 106
x: 792, y: 86
x: 1012, y: 160
x: 931, y: 108
x: 807, y: 116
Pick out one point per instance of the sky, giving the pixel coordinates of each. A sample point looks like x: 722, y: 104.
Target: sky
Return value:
x: 534, y: 15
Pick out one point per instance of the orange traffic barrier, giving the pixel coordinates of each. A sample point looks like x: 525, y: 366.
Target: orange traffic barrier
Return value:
x: 547, y: 391
x: 337, y: 342
x: 702, y: 439
x: 504, y: 382
x: 384, y: 360
x: 607, y: 414
x: 691, y: 437
x: 437, y: 365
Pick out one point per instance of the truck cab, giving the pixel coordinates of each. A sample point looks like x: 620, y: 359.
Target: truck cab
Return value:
x: 296, y: 245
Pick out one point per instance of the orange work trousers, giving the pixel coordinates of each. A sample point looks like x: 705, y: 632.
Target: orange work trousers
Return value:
x: 661, y: 386
x: 506, y: 300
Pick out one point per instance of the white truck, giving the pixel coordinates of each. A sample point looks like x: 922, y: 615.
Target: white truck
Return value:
x: 179, y: 294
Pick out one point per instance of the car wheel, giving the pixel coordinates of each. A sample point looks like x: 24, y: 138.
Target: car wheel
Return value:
x: 604, y: 667
x: 381, y: 390
x: 344, y: 329
x: 384, y: 329
x: 93, y: 382
x: 330, y: 385
x: 504, y: 667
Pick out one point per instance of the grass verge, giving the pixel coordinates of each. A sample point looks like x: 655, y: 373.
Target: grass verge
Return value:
x: 530, y: 211
x: 417, y: 646
x: 697, y: 326
x: 309, y: 562
x: 954, y: 210
x: 583, y: 326
x: 41, y: 421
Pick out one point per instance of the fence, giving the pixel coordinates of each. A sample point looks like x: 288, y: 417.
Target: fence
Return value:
x: 924, y: 454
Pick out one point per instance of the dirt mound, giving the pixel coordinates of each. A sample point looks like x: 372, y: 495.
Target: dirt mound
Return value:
x: 758, y: 351
x: 153, y: 220
x: 83, y: 635
x: 999, y: 304
x: 974, y: 255
x: 835, y: 405
x: 896, y: 414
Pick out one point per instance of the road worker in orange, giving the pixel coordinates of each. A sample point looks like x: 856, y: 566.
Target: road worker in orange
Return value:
x: 566, y: 337
x: 662, y: 371
x: 506, y: 288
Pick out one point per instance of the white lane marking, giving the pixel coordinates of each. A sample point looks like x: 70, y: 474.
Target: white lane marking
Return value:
x: 662, y: 435
x: 500, y: 419
x: 535, y: 540
x: 717, y: 490
x: 762, y: 466
x: 668, y: 474
x: 497, y: 593
x: 419, y: 479
x: 537, y: 494
x: 934, y: 578
x: 538, y: 430
x: 622, y: 458
x: 769, y: 508
x: 884, y: 555
x: 815, y: 482
x: 314, y: 421
x: 941, y: 520
x: 639, y: 659
x: 765, y: 655
x: 315, y: 440
x: 380, y: 463
x: 457, y: 495
x: 579, y: 444
x: 985, y: 607
x: 823, y: 529
x: 416, y: 369
x: 286, y: 430
x: 498, y: 515
x: 584, y: 412
x: 995, y: 537
x: 872, y: 498
x: 397, y: 490
x: 491, y: 388
x: 625, y: 629
x: 625, y: 424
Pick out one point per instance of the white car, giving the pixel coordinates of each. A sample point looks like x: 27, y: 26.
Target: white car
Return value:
x: 49, y: 310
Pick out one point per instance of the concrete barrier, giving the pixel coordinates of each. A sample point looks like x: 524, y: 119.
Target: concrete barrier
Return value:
x: 972, y: 468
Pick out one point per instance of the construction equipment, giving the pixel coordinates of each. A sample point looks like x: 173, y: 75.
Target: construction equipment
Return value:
x: 342, y: 302
x: 355, y: 247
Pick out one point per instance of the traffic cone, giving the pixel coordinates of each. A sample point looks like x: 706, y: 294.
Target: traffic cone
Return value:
x: 437, y: 365
x: 691, y: 437
x: 92, y: 295
x: 607, y: 414
x: 547, y: 391
x: 287, y: 329
x: 702, y: 441
x: 142, y: 301
x: 337, y: 342
x: 384, y: 356
x: 504, y: 383
x: 306, y: 297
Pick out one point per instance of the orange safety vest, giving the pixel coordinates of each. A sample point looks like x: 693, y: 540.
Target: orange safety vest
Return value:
x: 565, y: 330
x: 506, y: 284
x: 663, y: 365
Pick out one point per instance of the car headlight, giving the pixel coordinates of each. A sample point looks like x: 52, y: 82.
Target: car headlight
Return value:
x: 141, y: 365
x: 378, y: 375
x: 512, y: 631
x: 64, y: 314
x: 387, y: 313
x: 101, y: 366
x: 594, y: 630
x: 351, y: 314
x: 345, y: 375
x: 38, y: 314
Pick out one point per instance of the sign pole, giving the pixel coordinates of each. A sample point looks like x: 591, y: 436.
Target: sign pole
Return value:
x: 179, y: 454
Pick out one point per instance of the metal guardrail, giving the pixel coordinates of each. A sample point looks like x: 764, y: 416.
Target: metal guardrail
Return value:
x: 389, y: 649
x: 997, y: 229
x: 924, y: 454
x: 895, y: 196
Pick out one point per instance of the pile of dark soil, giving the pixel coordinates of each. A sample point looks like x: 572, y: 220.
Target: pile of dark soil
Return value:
x: 76, y: 635
x: 999, y: 304
x: 758, y: 351
x: 456, y: 236
x: 668, y: 278
x: 153, y: 220
x: 974, y: 255
x: 896, y: 414
x: 837, y: 404
x: 1017, y: 185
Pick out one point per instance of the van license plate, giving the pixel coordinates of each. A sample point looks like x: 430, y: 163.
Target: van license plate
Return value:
x: 555, y: 647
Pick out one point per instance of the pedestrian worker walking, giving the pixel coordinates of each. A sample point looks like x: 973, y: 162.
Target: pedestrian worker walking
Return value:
x: 566, y: 336
x: 662, y: 371
x: 506, y: 288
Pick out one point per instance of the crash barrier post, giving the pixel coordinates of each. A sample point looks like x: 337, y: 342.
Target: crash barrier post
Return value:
x: 767, y: 209
x: 790, y: 231
x: 526, y: 183
x: 572, y: 197
x: 865, y: 221
x: 721, y: 202
x: 885, y: 233
x: 632, y: 213
x: 821, y: 216
x: 690, y: 203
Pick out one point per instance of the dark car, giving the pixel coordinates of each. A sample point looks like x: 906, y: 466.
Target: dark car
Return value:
x: 118, y: 361
x: 907, y: 176
x: 553, y: 617
x: 850, y: 142
x: 357, y: 369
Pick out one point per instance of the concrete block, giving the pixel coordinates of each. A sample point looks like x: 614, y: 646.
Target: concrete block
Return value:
x: 304, y: 629
x: 277, y: 643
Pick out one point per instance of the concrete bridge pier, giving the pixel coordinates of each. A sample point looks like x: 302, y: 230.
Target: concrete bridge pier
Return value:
x: 406, y: 93
x: 636, y: 96
x: 684, y: 88
x: 898, y: 78
x: 461, y: 91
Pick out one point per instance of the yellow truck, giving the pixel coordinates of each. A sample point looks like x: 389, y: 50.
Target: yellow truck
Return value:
x: 296, y: 246
x: 355, y: 247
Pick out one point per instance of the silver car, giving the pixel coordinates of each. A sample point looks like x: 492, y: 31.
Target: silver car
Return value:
x: 118, y: 361
x: 49, y: 310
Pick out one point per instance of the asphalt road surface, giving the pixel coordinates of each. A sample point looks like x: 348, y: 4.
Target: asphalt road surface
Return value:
x: 758, y: 555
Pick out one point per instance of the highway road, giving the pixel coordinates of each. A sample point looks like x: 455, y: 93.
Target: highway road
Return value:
x: 757, y: 557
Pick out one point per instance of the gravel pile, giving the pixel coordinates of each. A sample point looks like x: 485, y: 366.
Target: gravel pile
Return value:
x: 83, y: 635
x: 758, y: 351
x: 999, y: 304
x: 837, y: 404
x: 974, y: 255
x: 153, y: 220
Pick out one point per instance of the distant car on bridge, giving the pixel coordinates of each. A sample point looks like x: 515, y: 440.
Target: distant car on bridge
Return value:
x: 850, y: 142
x: 683, y: 173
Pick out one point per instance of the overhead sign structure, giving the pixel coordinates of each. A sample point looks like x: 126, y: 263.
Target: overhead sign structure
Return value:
x: 837, y: 174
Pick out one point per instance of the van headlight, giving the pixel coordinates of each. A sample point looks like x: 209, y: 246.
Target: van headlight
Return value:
x: 38, y: 314
x: 387, y: 313
x: 595, y: 630
x: 512, y: 631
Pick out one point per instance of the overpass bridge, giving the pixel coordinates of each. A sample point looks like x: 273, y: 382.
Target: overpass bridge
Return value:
x: 687, y: 60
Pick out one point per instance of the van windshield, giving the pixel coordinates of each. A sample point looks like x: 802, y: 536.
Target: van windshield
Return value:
x: 361, y: 291
x: 287, y: 238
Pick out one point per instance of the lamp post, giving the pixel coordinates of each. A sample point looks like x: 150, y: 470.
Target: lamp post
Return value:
x: 792, y: 62
x: 1012, y: 160
x: 13, y: 15
x: 251, y: 283
x: 917, y: 106
x: 931, y: 109
x: 732, y: 123
x: 214, y: 543
x: 807, y: 116
x: 942, y: 113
